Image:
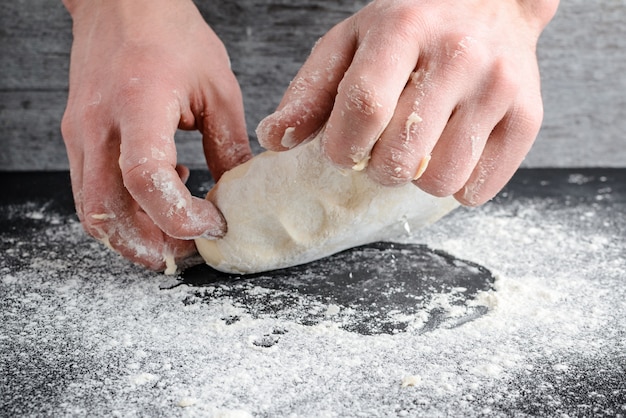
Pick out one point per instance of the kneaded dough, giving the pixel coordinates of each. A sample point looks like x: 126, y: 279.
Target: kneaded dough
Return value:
x: 293, y: 207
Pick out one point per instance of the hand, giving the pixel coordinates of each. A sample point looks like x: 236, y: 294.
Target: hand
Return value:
x: 139, y: 70
x: 444, y: 94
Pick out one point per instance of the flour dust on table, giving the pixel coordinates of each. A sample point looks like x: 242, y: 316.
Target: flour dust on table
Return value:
x: 539, y: 332
x: 372, y: 289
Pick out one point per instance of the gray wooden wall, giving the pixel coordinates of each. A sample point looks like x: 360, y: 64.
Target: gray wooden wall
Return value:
x: 582, y: 56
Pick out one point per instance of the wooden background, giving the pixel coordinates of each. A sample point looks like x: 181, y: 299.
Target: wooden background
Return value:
x: 582, y: 56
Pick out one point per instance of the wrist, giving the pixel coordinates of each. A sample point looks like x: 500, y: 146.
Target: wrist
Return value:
x: 130, y: 20
x: 124, y: 11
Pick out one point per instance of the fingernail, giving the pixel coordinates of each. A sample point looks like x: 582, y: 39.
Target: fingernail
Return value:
x: 289, y: 140
x: 212, y: 236
x: 265, y: 127
x: 422, y: 167
x: 218, y: 231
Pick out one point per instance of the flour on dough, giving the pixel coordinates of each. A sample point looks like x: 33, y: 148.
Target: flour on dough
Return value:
x: 293, y: 207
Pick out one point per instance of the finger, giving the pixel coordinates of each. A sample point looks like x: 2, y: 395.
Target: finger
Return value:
x: 75, y: 154
x: 369, y: 93
x: 223, y: 126
x: 111, y: 215
x: 444, y: 103
x: 505, y: 150
x: 462, y: 141
x: 81, y: 126
x: 456, y: 153
x: 183, y: 172
x: 405, y: 146
x: 403, y: 152
x: 131, y: 233
x: 148, y: 161
x: 307, y: 103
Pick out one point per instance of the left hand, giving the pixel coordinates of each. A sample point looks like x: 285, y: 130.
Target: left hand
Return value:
x: 445, y: 94
x: 141, y: 69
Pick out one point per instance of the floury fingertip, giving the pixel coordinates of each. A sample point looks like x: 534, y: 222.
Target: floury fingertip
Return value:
x: 265, y: 129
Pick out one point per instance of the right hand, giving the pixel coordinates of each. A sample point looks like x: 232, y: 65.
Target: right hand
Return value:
x: 442, y: 94
x: 139, y: 71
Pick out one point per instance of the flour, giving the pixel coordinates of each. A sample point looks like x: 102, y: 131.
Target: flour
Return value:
x: 413, y: 380
x: 143, y: 378
x: 186, y: 402
x: 413, y: 119
x: 164, y: 184
x: 83, y: 332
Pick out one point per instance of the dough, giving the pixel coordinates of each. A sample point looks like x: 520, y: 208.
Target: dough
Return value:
x: 293, y: 207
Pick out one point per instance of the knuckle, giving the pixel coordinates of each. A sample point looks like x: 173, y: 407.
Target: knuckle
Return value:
x: 362, y: 99
x: 462, y: 50
x: 130, y: 91
x: 396, y: 162
x: 531, y: 120
x: 394, y: 168
x: 504, y: 77
x: 302, y: 84
x: 154, y: 188
x: 525, y: 119
x: 309, y: 90
x: 406, y: 20
x: 164, y: 198
x: 132, y: 173
x: 400, y: 18
x: 67, y: 126
x: 532, y: 111
x: 143, y: 181
x: 75, y: 123
x: 440, y: 183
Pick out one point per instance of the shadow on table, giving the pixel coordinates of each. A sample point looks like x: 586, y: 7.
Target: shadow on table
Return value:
x: 372, y: 289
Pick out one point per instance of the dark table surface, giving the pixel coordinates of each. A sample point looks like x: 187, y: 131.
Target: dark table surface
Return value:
x: 514, y: 308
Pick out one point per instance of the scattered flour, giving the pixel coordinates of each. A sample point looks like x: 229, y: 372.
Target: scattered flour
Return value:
x: 83, y: 332
x: 413, y: 380
x: 143, y: 378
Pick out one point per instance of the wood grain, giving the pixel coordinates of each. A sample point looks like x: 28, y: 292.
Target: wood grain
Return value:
x: 582, y: 56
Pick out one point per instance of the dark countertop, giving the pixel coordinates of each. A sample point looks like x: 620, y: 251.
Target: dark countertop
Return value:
x: 514, y: 308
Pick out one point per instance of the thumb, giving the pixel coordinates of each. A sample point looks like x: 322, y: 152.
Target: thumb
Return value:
x: 148, y: 165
